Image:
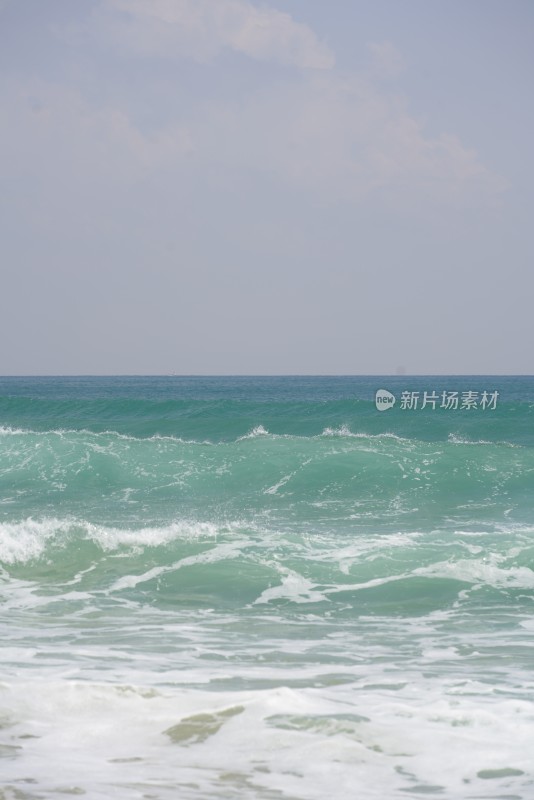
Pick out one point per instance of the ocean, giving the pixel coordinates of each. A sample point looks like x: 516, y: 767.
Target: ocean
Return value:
x: 262, y: 587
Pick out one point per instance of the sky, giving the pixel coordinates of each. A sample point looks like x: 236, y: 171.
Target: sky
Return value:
x: 277, y: 187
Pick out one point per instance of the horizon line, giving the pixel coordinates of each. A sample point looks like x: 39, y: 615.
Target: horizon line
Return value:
x: 273, y: 375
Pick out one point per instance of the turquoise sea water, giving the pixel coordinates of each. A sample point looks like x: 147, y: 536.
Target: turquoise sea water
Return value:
x: 265, y: 588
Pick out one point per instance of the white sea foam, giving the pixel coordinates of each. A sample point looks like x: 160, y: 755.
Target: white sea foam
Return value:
x: 374, y: 742
x: 113, y: 538
x: 8, y: 431
x: 293, y: 587
x: 259, y: 430
x: 344, y: 431
x: 23, y: 541
x: 455, y: 438
x: 223, y: 552
x: 481, y: 571
x: 85, y: 433
x: 28, y: 539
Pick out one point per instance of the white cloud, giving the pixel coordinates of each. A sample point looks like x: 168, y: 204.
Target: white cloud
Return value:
x: 337, y: 139
x: 72, y: 168
x: 200, y: 29
x: 51, y: 127
x: 344, y: 140
x: 342, y: 136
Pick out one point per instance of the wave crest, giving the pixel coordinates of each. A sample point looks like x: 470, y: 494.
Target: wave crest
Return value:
x: 27, y: 540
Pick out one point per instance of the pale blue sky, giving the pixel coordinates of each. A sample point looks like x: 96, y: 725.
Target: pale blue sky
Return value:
x: 293, y: 186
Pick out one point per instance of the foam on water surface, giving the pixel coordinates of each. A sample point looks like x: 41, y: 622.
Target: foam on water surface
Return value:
x: 262, y: 588
x: 303, y: 742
